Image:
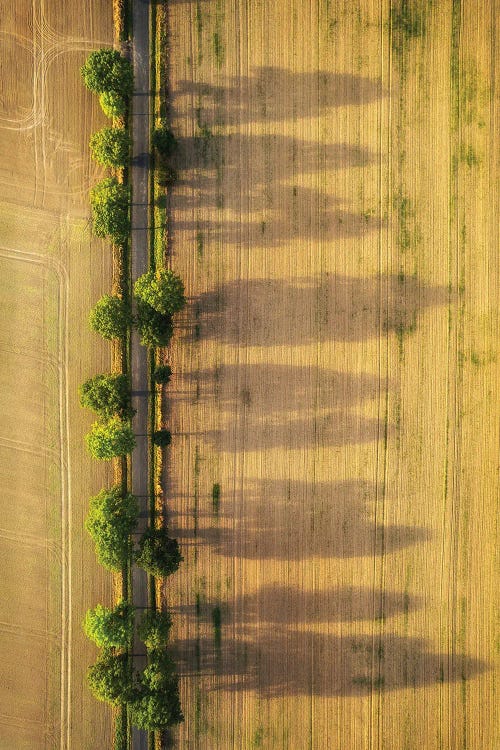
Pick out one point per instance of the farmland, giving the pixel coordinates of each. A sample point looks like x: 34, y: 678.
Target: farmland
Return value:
x: 334, y: 472
x: 49, y: 572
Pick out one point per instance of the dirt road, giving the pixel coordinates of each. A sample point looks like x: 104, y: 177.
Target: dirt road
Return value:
x: 139, y: 374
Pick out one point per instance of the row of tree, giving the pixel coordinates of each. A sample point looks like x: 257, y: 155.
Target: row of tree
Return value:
x: 151, y: 698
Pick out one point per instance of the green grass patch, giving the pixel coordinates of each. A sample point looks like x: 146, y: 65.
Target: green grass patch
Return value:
x: 216, y: 498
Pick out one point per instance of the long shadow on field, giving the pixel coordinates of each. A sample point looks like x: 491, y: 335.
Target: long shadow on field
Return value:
x: 268, y: 312
x: 282, y: 662
x: 273, y: 94
x: 269, y: 388
x: 263, y: 432
x: 295, y: 520
x: 236, y: 154
x: 290, y: 605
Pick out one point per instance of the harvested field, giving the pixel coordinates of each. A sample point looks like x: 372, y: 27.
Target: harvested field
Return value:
x: 52, y: 272
x: 334, y: 471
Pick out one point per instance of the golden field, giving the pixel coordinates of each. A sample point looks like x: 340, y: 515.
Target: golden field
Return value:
x: 336, y: 221
x: 52, y: 272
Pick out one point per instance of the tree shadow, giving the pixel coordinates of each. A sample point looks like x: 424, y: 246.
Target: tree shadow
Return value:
x: 298, y: 520
x: 289, y: 605
x: 266, y: 431
x: 268, y: 388
x: 204, y: 152
x: 272, y: 94
x: 280, y: 662
x: 330, y: 307
x: 296, y: 213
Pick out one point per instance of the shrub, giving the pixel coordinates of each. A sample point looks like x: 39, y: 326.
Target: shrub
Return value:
x: 154, y: 629
x: 110, y: 628
x: 158, y: 554
x: 107, y: 70
x: 112, y: 104
x: 109, y: 678
x: 162, y: 438
x: 111, y: 519
x: 163, y: 290
x: 110, y: 147
x: 162, y: 374
x: 107, y: 395
x: 164, y: 140
x: 109, y: 439
x: 109, y: 201
x: 110, y: 317
x: 155, y: 328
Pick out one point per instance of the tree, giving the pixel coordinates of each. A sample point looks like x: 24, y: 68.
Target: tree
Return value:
x: 157, y: 704
x: 163, y: 290
x: 158, y: 553
x: 107, y: 395
x: 162, y: 438
x: 109, y: 439
x: 110, y: 317
x: 110, y: 147
x: 109, y: 201
x: 113, y: 104
x: 155, y: 328
x: 111, y: 519
x: 107, y: 70
x: 110, y: 628
x: 162, y: 374
x: 109, y: 678
x: 164, y: 140
x: 154, y: 629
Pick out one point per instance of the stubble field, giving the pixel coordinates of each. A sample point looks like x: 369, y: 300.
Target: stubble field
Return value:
x: 334, y: 473
x: 52, y: 272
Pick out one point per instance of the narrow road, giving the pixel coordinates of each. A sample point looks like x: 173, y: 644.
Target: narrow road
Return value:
x: 140, y: 264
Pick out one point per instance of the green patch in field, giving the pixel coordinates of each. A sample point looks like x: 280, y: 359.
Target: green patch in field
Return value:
x: 408, y: 22
x: 469, y: 156
x: 216, y: 498
x: 217, y: 36
x: 198, y: 21
x: 408, y: 235
x: 218, y: 48
x: 201, y: 724
x: 199, y: 243
x: 258, y: 737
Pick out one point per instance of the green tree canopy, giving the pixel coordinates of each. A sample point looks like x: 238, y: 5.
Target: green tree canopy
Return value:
x: 111, y: 519
x: 111, y: 438
x: 162, y: 438
x: 154, y: 629
x: 109, y: 201
x: 155, y: 328
x: 163, y: 290
x: 112, y: 104
x: 162, y: 374
x: 109, y: 678
x: 110, y: 628
x: 164, y: 140
x: 110, y: 147
x: 158, y: 553
x: 158, y: 704
x: 107, y: 70
x: 110, y: 317
x: 107, y: 395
